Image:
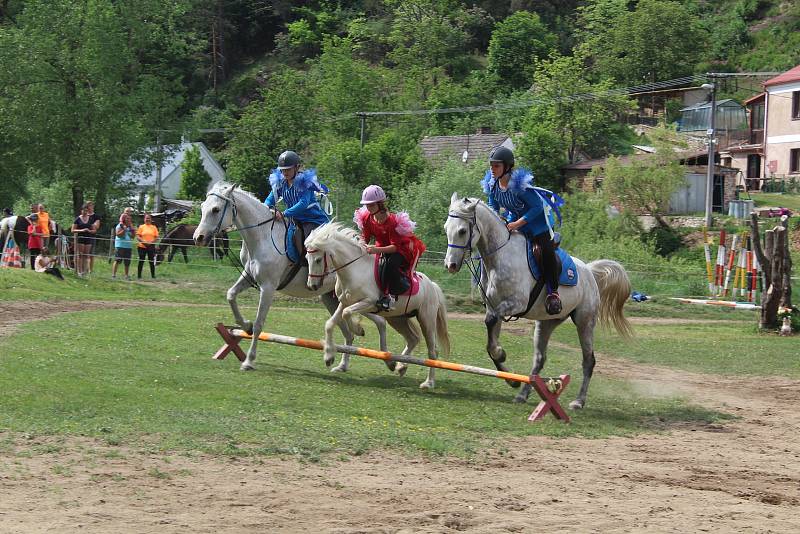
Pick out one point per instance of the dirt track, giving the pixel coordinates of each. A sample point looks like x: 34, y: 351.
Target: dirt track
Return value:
x: 741, y: 476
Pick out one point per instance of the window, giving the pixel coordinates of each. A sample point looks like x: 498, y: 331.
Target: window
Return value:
x: 796, y: 105
x: 794, y: 160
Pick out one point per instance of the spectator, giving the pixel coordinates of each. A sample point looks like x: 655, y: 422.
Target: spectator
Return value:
x: 147, y: 234
x: 84, y: 228
x: 35, y: 241
x: 44, y: 226
x: 123, y: 243
x: 8, y: 212
x: 95, y: 227
x: 46, y: 264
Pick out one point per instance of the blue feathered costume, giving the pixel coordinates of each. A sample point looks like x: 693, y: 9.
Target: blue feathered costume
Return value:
x: 302, y: 206
x: 538, y: 207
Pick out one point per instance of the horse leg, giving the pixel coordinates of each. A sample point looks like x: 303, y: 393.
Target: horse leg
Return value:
x: 541, y: 336
x: 185, y: 256
x: 331, y: 303
x: 380, y: 324
x: 585, y: 323
x: 240, y: 285
x: 427, y: 321
x: 411, y: 335
x: 171, y: 253
x: 264, y: 302
x: 496, y: 352
x: 329, y: 354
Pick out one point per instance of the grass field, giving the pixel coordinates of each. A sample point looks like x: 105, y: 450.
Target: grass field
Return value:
x: 143, y: 375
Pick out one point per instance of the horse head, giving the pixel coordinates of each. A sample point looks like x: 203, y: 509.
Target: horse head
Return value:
x: 217, y: 213
x: 462, y: 231
x: 330, y: 245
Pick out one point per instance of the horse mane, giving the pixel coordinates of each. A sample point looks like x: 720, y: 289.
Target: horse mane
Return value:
x: 326, y: 233
x: 478, y: 202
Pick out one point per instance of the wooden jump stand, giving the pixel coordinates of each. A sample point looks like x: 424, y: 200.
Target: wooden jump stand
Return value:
x: 548, y: 389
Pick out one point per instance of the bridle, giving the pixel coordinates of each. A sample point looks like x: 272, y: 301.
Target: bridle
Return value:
x: 234, y: 214
x: 325, y: 271
x: 473, y: 223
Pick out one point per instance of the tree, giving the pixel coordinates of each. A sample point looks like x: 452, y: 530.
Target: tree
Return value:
x: 516, y: 44
x: 645, y: 184
x: 283, y: 119
x: 571, y: 115
x: 194, y: 178
x: 343, y: 85
x: 634, y: 50
x: 82, y: 87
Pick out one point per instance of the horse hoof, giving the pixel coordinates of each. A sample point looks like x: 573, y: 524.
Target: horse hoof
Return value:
x: 248, y: 327
x: 359, y: 331
x: 576, y: 405
x: 513, y: 383
x: 428, y: 384
x: 339, y: 369
x: 392, y: 366
x: 401, y: 369
x: 519, y: 399
x: 244, y: 367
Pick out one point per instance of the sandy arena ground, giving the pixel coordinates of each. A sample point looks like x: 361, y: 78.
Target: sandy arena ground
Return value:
x: 740, y: 476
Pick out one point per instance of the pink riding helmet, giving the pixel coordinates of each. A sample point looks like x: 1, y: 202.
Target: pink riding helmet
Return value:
x: 373, y: 194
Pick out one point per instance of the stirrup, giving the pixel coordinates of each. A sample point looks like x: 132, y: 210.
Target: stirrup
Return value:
x: 385, y: 303
x: 552, y: 304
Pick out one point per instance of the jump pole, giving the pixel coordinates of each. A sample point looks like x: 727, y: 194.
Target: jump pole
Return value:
x: 232, y: 336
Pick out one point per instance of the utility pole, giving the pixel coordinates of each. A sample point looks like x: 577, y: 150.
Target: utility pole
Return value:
x: 159, y: 158
x: 711, y: 148
x: 363, y: 128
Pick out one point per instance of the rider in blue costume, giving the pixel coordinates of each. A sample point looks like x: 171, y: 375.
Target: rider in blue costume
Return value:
x: 524, y: 209
x: 298, y: 192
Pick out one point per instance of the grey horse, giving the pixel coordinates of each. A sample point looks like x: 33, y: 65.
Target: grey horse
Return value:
x: 600, y: 294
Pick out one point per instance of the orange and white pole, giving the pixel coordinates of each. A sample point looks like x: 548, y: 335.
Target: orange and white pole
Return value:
x: 548, y: 389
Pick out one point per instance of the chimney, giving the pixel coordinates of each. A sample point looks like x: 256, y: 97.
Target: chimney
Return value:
x: 484, y: 130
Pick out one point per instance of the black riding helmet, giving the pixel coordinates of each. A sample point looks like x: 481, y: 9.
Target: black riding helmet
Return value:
x: 502, y: 154
x: 288, y: 159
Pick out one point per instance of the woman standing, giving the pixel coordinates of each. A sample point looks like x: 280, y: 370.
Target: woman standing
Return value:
x: 123, y: 245
x: 83, y: 228
x: 147, y: 234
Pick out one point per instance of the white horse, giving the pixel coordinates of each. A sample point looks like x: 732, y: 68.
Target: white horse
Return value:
x: 601, y: 292
x: 264, y: 261
x: 335, y: 249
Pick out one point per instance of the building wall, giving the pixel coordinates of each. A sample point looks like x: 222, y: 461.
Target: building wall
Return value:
x: 783, y: 133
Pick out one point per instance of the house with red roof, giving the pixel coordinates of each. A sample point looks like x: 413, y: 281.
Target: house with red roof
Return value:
x: 782, y: 126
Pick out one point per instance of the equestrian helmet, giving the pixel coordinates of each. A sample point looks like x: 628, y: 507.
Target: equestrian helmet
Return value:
x: 502, y: 154
x: 288, y: 159
x: 373, y: 194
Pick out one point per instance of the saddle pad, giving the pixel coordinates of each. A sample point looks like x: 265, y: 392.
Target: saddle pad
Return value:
x: 569, y: 273
x: 414, y: 289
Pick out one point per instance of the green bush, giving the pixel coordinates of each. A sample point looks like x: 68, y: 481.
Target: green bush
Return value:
x: 665, y: 241
x: 427, y: 201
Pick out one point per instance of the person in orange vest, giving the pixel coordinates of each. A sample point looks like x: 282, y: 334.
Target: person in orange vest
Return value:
x: 44, y: 226
x: 147, y: 235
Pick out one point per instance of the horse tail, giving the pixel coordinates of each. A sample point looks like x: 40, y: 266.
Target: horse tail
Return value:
x: 442, y: 335
x: 615, y: 288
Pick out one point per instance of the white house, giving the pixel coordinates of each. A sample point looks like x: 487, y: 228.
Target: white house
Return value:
x: 142, y: 172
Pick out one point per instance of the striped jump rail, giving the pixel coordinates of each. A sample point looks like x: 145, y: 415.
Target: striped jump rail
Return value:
x: 548, y: 389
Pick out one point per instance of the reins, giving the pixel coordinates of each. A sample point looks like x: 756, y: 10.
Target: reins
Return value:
x: 475, y: 270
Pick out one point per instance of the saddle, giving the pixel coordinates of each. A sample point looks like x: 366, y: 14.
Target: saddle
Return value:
x: 407, y: 286
x: 568, y: 273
